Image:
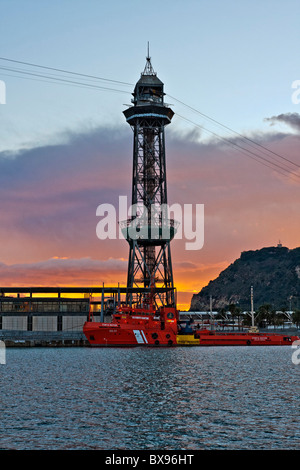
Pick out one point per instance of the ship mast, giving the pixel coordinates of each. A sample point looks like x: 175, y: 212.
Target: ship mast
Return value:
x: 253, y: 328
x: 252, y: 309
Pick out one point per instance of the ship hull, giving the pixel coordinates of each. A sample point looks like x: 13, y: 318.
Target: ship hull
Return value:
x: 213, y: 338
x: 113, y: 334
x: 135, y: 327
x: 103, y: 334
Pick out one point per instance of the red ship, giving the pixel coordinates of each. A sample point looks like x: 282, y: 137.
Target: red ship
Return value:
x: 147, y: 327
x: 217, y: 338
x: 134, y: 327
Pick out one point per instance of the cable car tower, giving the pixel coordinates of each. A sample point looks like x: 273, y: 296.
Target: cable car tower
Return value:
x: 149, y: 231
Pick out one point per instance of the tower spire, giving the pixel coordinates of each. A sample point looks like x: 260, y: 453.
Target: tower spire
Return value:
x: 148, y: 70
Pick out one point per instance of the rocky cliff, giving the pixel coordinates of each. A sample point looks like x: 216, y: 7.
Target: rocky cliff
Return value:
x: 274, y: 273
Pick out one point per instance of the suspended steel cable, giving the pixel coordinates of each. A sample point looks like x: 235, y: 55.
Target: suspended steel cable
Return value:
x: 236, y: 133
x: 252, y: 154
x: 64, y: 80
x: 246, y: 151
x: 50, y: 80
x: 66, y: 71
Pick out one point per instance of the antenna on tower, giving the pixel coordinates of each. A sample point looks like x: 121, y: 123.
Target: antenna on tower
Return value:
x: 148, y: 70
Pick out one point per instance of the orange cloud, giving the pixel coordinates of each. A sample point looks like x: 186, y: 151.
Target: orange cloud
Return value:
x: 49, y: 197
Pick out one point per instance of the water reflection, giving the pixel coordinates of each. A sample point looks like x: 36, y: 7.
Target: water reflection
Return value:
x: 183, y: 398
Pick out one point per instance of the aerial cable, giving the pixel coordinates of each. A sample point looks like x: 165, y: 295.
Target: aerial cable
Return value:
x: 64, y: 80
x: 93, y: 86
x: 67, y: 71
x: 231, y: 130
x: 246, y: 151
x: 44, y: 80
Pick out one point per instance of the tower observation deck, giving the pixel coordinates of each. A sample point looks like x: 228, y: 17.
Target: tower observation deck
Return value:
x: 149, y: 231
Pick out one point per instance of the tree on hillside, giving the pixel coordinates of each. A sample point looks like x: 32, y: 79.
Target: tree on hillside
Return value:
x: 235, y: 312
x: 265, y: 314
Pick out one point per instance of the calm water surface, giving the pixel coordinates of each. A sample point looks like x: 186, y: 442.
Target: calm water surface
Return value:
x: 164, y: 399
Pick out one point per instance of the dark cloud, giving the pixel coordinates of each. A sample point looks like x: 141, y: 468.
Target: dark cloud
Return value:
x: 49, y: 194
x: 291, y: 119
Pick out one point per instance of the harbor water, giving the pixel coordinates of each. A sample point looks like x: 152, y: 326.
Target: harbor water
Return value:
x: 196, y: 398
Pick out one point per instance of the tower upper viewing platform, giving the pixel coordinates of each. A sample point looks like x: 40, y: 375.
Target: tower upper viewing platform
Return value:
x: 148, y: 98
x: 149, y: 89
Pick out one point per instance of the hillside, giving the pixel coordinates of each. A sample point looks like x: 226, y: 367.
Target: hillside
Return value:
x: 274, y: 273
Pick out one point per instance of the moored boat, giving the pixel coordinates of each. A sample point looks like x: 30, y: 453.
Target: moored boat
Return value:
x: 147, y: 327
x: 135, y: 327
x: 217, y: 338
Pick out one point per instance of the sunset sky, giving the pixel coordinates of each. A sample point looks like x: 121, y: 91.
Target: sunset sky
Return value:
x: 66, y: 148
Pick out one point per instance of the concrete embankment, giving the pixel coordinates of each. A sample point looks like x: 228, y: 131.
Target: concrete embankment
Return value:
x: 42, y: 339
